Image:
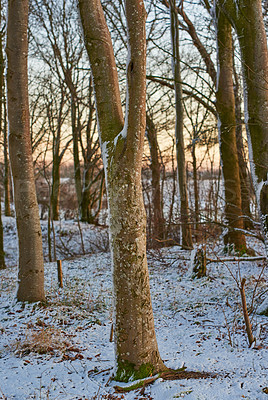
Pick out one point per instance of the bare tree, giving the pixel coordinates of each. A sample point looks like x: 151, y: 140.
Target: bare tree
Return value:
x: 31, y: 264
x: 181, y: 168
x: 137, y: 352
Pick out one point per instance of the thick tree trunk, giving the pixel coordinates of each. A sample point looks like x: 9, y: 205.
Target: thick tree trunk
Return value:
x: 136, y: 349
x: 248, y: 23
x: 180, y: 152
x: 244, y: 179
x: 227, y: 134
x: 31, y: 266
x: 253, y: 45
x: 135, y: 340
x: 158, y: 221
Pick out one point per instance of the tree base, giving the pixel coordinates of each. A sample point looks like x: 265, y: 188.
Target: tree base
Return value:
x: 126, y: 371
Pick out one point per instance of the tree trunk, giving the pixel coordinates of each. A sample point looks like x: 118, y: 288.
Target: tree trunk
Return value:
x: 2, y: 253
x: 55, y: 188
x: 182, y: 180
x: 136, y: 348
x: 244, y: 179
x: 31, y: 267
x: 7, y: 185
x: 57, y: 153
x: 77, y: 167
x: 93, y: 178
x: 196, y: 191
x: 2, y: 68
x: 158, y: 222
x: 248, y: 23
x: 85, y: 198
x: 253, y: 45
x: 4, y: 126
x: 245, y: 182
x: 227, y: 134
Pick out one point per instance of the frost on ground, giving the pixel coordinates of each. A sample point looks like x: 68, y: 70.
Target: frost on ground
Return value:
x: 62, y: 350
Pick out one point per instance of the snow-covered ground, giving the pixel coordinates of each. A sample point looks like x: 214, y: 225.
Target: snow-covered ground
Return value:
x: 62, y: 350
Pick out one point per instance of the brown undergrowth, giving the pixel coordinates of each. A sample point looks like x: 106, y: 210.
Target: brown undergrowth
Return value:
x: 47, y: 340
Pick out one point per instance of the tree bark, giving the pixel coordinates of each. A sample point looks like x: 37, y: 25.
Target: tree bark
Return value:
x: 136, y: 348
x: 31, y: 267
x: 225, y: 100
x: 181, y: 169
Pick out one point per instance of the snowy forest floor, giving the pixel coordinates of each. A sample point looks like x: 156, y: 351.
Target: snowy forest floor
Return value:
x: 62, y: 350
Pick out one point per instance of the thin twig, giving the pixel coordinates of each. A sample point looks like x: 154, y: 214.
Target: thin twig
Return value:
x: 251, y: 338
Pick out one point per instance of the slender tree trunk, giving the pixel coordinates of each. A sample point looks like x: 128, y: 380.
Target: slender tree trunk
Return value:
x: 55, y: 188
x: 137, y: 353
x: 227, y: 134
x: 2, y: 253
x: 57, y: 154
x: 85, y: 198
x: 4, y: 127
x: 2, y: 68
x: 196, y: 191
x: 77, y: 167
x: 7, y: 185
x: 31, y: 266
x: 245, y: 182
x: 158, y: 222
x: 91, y: 193
x: 182, y: 180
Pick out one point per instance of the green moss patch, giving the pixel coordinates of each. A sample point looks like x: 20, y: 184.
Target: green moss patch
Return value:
x: 126, y: 371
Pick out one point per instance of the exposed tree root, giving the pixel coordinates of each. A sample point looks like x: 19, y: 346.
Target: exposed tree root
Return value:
x: 169, y: 375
